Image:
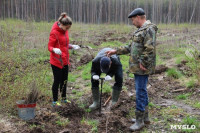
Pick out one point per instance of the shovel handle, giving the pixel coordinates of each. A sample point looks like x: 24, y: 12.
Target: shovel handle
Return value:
x: 102, y: 79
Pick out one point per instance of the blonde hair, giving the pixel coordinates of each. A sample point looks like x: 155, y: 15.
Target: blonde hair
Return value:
x: 64, y: 19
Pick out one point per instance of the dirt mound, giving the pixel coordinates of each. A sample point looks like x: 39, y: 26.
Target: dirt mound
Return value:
x: 160, y: 69
x: 114, y: 120
x: 85, y: 59
x: 113, y: 124
x: 70, y: 110
x: 44, y: 122
x: 75, y: 126
x: 122, y: 39
x: 184, y: 68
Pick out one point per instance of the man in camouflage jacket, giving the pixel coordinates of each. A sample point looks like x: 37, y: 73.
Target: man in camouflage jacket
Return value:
x: 141, y: 63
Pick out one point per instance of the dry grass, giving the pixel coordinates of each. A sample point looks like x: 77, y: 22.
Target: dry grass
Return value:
x: 33, y: 94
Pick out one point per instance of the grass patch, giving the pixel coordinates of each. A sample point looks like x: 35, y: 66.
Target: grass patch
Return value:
x: 125, y: 63
x: 86, y: 71
x: 183, y: 96
x: 62, y: 122
x: 171, y: 112
x: 106, y: 88
x: 152, y: 105
x: 112, y: 44
x: 191, y: 83
x: 191, y: 121
x: 93, y: 123
x: 197, y: 105
x: 71, y: 77
x: 172, y: 72
x: 131, y: 113
x: 159, y: 61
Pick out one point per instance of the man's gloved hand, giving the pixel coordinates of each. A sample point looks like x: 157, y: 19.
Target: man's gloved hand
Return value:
x: 107, y: 78
x: 75, y: 47
x: 57, y: 51
x: 95, y: 77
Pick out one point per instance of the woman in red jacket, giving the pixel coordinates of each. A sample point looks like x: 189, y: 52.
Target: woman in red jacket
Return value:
x: 58, y: 47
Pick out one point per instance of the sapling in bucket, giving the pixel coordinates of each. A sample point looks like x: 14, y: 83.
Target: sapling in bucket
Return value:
x: 26, y: 108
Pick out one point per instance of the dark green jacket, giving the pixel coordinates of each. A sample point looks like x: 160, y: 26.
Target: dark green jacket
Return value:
x: 142, y: 49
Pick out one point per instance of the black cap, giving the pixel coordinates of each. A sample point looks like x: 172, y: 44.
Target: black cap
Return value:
x: 135, y: 12
x: 105, y: 64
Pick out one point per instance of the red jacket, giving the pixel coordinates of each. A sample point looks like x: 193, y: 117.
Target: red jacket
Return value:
x: 59, y: 39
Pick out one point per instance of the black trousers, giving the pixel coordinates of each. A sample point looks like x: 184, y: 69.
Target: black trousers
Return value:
x: 60, y: 80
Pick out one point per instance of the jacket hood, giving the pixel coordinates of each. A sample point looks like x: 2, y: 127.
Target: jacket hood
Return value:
x: 57, y: 28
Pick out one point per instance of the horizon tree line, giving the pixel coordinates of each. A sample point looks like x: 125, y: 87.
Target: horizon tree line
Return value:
x: 102, y: 11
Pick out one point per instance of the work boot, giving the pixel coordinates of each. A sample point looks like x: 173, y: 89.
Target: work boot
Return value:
x: 146, y: 116
x: 115, y: 96
x: 95, y: 94
x: 139, y: 124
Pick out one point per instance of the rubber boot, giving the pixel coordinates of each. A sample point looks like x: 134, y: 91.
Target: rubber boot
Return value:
x: 95, y: 94
x: 139, y: 124
x: 146, y: 116
x: 115, y: 96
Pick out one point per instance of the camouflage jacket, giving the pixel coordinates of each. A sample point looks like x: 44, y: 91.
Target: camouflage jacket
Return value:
x: 142, y: 49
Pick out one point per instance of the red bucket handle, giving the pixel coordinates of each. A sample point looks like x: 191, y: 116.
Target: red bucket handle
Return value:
x: 26, y: 105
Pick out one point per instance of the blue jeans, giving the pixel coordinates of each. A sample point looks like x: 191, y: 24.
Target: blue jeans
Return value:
x: 141, y: 92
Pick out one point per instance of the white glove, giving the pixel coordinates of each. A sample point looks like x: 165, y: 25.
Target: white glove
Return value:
x: 107, y: 78
x: 95, y: 77
x: 75, y: 47
x: 57, y: 51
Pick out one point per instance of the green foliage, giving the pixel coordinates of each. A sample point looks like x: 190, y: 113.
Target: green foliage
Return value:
x: 125, y: 62
x: 71, y: 77
x: 74, y: 91
x: 197, y: 105
x: 183, y: 96
x: 112, y: 44
x: 23, y: 62
x: 180, y: 57
x: 193, y: 59
x: 175, y: 26
x: 62, y: 122
x: 152, y: 105
x: 93, y: 123
x: 191, y: 121
x: 172, y: 72
x: 190, y: 83
x: 33, y: 126
x: 77, y: 93
x: 88, y: 110
x: 155, y: 120
x: 131, y: 113
x: 159, y: 60
x: 92, y: 46
x: 80, y: 67
x: 82, y: 105
x: 86, y: 75
x: 106, y: 88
